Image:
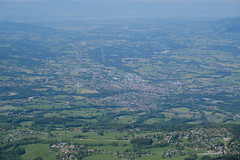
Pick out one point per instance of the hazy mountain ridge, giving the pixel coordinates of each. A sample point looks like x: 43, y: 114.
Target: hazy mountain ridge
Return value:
x: 229, y: 25
x: 24, y: 27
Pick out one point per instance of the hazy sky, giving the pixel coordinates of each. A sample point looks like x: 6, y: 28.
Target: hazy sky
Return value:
x: 104, y: 9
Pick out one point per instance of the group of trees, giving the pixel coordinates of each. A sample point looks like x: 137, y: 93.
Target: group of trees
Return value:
x: 12, y: 153
x: 141, y: 141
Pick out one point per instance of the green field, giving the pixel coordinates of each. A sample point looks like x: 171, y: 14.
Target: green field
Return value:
x: 101, y: 157
x: 38, y: 150
x: 159, y: 157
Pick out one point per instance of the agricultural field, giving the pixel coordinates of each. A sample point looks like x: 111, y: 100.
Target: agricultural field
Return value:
x: 34, y: 151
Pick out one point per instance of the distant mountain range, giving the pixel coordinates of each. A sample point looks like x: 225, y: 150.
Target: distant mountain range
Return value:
x: 229, y: 25
x: 16, y: 26
x: 223, y: 25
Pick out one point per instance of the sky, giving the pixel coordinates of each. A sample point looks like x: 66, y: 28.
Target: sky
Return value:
x: 47, y: 10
